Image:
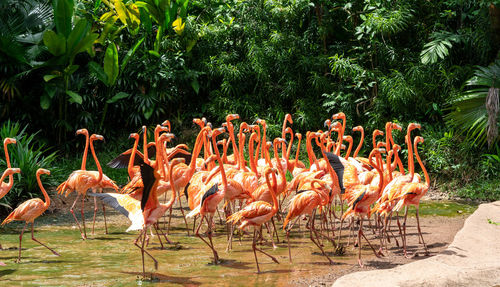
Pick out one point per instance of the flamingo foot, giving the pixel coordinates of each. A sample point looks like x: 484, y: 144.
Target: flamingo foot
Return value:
x: 360, y: 263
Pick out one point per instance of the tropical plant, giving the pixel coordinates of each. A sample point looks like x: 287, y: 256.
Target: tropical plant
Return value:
x: 28, y: 154
x: 469, y: 113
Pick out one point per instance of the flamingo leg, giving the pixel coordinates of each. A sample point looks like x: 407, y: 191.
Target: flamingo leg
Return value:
x: 312, y: 230
x: 143, y: 251
x: 378, y: 254
x: 74, y: 216
x: 275, y: 231
x: 359, y: 242
x: 197, y: 233
x: 209, y: 234
x: 105, y: 223
x: 289, y: 249
x: 36, y: 240
x: 183, y: 215
x: 20, y: 241
x: 404, y: 233
x: 83, y: 216
x: 95, y: 213
x: 158, y: 234
x: 254, y: 246
x: 169, y: 219
x: 420, y: 233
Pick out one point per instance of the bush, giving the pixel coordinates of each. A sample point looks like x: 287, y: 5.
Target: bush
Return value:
x: 28, y: 154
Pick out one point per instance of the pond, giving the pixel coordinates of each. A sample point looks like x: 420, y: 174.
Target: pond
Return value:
x: 112, y: 259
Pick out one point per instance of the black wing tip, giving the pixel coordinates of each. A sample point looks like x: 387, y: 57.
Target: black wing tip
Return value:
x: 209, y: 192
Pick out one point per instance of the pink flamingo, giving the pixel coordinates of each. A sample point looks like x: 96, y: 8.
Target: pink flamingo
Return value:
x: 29, y: 210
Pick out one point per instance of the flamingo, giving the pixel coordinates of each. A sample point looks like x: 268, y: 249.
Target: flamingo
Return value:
x: 5, y: 187
x: 364, y: 196
x: 82, y: 180
x: 257, y: 213
x: 29, y: 210
x: 212, y: 197
x: 305, y: 203
x: 151, y: 208
x: 411, y: 195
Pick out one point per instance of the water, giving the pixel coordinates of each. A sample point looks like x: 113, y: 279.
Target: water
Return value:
x: 112, y: 260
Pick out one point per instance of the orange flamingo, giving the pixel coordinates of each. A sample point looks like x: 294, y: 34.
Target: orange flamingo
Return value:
x: 305, y: 202
x: 151, y: 208
x: 258, y: 213
x: 5, y: 187
x: 411, y: 195
x: 29, y: 210
x: 83, y: 180
x: 364, y: 196
x: 212, y: 197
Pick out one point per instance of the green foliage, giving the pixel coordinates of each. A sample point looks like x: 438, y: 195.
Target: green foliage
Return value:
x: 438, y: 47
x: 468, y: 112
x: 28, y: 154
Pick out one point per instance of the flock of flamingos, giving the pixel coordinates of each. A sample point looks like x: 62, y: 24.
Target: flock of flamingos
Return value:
x: 254, y: 195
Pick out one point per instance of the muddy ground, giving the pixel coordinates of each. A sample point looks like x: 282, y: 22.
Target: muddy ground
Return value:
x: 187, y: 262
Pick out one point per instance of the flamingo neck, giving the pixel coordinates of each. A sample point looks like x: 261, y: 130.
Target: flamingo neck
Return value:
x: 145, y: 145
x: 85, y: 152
x: 233, y: 141
x: 411, y: 164
x: 251, y: 159
x: 172, y: 184
x: 46, y: 204
x: 256, y: 158
x: 7, y: 159
x: 263, y: 151
x: 273, y: 190
x: 99, y: 169
x: 242, y: 150
x: 349, y: 149
x: 297, y: 153
x: 360, y: 144
x: 339, y: 140
x: 427, y: 179
x: 132, y: 158
x: 221, y: 164
x: 289, y: 149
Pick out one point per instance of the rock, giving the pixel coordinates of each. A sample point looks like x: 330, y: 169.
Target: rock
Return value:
x: 472, y: 259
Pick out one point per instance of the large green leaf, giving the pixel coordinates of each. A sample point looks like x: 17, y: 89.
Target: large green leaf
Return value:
x: 117, y: 97
x: 74, y: 97
x: 111, y: 67
x: 63, y: 14
x: 98, y: 71
x: 130, y: 53
x: 56, y: 43
x: 76, y: 36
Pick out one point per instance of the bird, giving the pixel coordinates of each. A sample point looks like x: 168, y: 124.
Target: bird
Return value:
x: 363, y: 197
x: 257, y: 213
x: 305, y: 202
x: 151, y: 208
x: 29, y: 210
x: 83, y: 180
x: 211, y: 198
x: 5, y: 187
x: 411, y: 195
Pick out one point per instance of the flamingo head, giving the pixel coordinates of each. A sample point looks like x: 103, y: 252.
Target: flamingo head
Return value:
x: 133, y: 136
x: 12, y: 170
x: 231, y: 117
x: 43, y: 171
x: 377, y: 133
x: 419, y: 139
x: 397, y: 127
x: 82, y: 132
x: 288, y: 118
x: 337, y: 116
x: 357, y: 129
x: 94, y: 137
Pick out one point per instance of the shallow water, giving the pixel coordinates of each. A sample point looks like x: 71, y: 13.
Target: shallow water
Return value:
x: 112, y: 259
